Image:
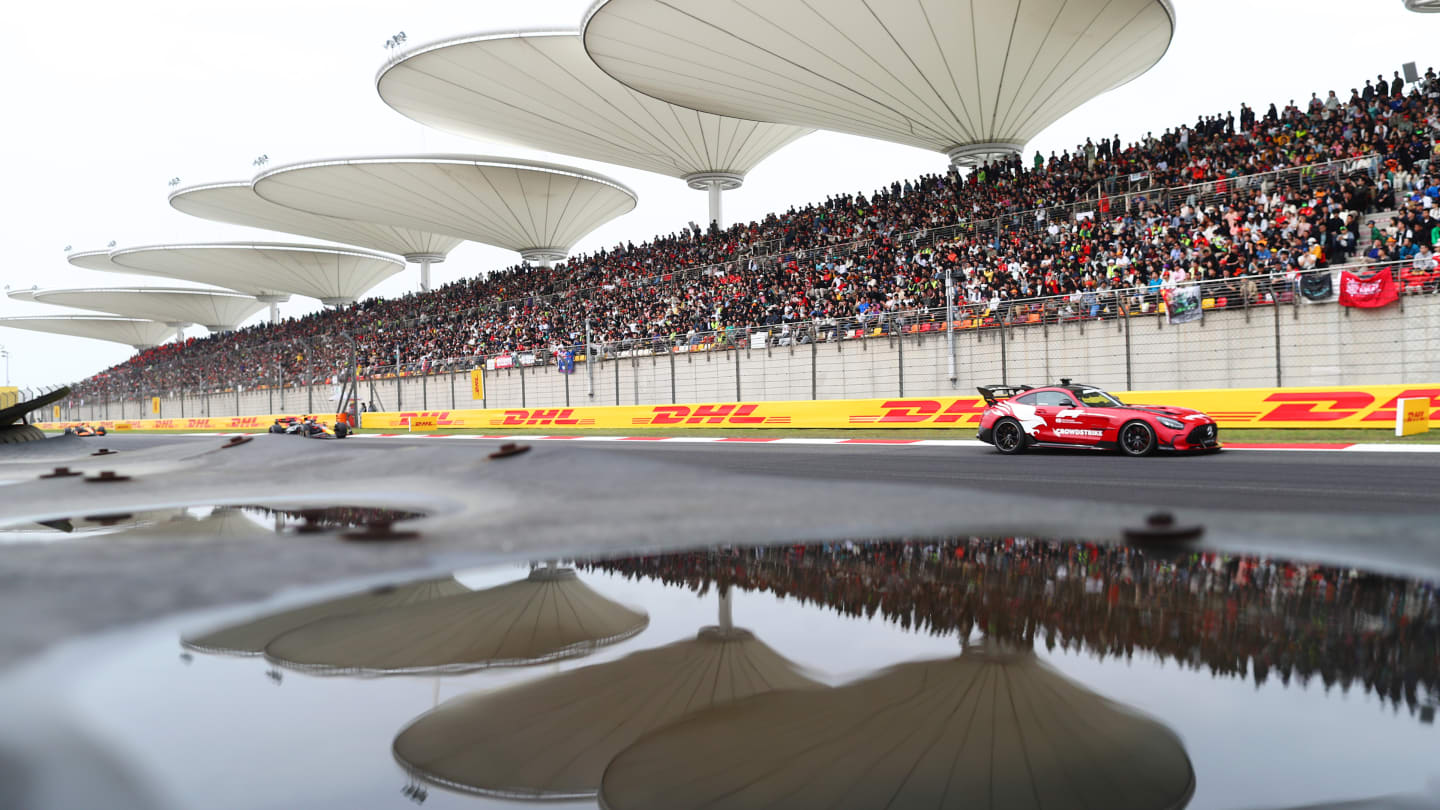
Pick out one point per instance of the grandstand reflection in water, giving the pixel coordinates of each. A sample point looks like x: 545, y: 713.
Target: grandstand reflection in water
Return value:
x: 1234, y: 615
x: 1034, y: 672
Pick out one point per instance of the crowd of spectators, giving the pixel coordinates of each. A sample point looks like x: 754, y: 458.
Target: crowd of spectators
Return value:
x: 1237, y: 616
x: 1286, y: 191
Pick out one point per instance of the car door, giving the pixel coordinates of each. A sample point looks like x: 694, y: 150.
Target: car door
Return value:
x: 1068, y: 422
x: 1027, y: 412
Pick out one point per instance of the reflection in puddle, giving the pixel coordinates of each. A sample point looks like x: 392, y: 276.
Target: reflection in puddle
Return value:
x: 548, y: 615
x: 203, y: 522
x: 992, y: 727
x: 1235, y: 615
x: 1006, y: 672
x: 552, y: 738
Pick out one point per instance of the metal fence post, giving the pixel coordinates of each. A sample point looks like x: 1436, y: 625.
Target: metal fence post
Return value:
x: 237, y: 402
x: 814, y: 361
x: 673, y: 397
x: 399, y: 389
x: 589, y: 361
x: 1275, y: 300
x: 567, y: 388
x: 484, y: 387
x: 1004, y: 363
x: 424, y: 391
x: 950, y: 324
x: 737, y: 369
x: 522, y: 386
x: 616, y: 363
x: 452, y: 388
x: 310, y: 378
x: 900, y: 360
x: 1125, y: 316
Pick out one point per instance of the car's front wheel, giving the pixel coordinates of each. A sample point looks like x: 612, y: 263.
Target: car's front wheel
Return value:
x: 1137, y: 439
x: 1009, y: 437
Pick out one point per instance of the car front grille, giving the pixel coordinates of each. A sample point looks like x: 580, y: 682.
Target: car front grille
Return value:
x: 1203, y: 434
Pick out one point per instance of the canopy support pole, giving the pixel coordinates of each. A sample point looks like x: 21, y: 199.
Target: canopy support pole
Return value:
x: 725, y: 620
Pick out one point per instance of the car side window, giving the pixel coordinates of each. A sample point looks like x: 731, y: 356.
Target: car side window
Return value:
x: 1028, y: 399
x: 1054, y: 398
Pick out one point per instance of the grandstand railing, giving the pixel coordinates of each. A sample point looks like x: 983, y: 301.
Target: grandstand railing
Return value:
x: 416, y: 381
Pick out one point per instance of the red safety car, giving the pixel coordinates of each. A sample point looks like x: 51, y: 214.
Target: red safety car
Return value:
x: 1073, y: 415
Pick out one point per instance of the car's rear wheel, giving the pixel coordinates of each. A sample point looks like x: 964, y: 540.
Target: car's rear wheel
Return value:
x: 1009, y: 437
x: 1137, y: 439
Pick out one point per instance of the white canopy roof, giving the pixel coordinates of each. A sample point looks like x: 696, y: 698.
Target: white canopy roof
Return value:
x: 538, y: 209
x: 970, y: 78
x: 216, y: 310
x: 237, y: 204
x: 93, y: 260
x: 540, y: 89
x: 141, y: 334
x: 333, y: 275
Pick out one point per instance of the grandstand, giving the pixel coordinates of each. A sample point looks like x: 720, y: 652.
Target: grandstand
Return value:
x: 1252, y: 198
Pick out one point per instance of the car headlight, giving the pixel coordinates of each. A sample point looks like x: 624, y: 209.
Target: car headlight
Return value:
x: 1173, y: 424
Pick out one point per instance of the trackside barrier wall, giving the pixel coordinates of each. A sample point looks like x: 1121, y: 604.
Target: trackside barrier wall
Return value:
x: 1288, y: 345
x: 1325, y: 407
x: 197, y: 423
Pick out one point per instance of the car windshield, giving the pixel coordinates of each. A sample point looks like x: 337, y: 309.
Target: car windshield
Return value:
x: 1098, y: 398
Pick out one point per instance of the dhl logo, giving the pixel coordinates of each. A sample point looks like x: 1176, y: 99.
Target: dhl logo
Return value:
x: 442, y: 418
x: 1334, y: 406
x: 245, y: 421
x: 539, y: 417
x: 914, y: 411
x: 708, y: 415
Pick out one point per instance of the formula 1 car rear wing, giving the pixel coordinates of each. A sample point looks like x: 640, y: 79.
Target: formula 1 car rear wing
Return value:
x: 995, y: 393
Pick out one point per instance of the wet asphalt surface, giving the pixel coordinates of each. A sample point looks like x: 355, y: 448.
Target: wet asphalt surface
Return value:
x: 1308, y: 482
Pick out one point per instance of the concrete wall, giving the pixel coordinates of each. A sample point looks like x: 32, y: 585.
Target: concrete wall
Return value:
x: 1322, y: 344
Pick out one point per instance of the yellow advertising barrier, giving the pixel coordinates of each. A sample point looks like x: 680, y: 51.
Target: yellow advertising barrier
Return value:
x: 1328, y: 407
x: 1372, y: 406
x: 1412, y: 416
x: 262, y: 421
x: 419, y: 423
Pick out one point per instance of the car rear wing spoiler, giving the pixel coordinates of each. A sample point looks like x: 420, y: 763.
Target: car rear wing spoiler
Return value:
x: 995, y: 393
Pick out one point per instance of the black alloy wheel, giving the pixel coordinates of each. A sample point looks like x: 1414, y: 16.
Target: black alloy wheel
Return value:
x: 1009, y: 437
x: 1137, y: 439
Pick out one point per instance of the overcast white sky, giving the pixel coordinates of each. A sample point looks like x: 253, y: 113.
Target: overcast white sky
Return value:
x: 107, y: 101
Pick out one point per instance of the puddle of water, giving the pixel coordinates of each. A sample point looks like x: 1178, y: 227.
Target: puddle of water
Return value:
x: 200, y: 522
x: 1275, y: 684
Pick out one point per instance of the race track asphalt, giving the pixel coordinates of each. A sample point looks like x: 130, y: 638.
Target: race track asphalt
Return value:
x: 1313, y: 482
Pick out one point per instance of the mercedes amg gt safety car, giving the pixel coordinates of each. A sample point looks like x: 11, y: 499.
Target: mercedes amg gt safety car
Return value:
x: 86, y: 430
x: 1076, y: 415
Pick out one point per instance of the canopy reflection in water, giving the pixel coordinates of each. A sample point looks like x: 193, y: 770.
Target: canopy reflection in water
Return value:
x: 549, y: 615
x: 552, y: 738
x: 250, y: 638
x: 229, y: 522
x: 994, y: 727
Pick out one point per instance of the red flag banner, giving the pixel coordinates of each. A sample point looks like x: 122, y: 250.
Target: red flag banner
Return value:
x: 1376, y: 291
